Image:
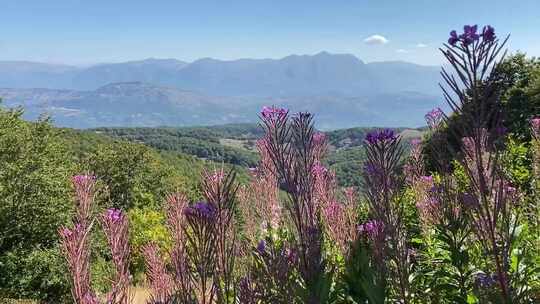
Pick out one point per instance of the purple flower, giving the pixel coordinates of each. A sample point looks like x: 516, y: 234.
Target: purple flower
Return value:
x: 453, y: 38
x: 319, y: 170
x: 488, y: 33
x: 318, y: 138
x: 372, y: 229
x: 469, y: 34
x: 66, y: 232
x: 113, y: 214
x: 273, y: 113
x: 200, y: 209
x: 434, y: 117
x: 82, y: 179
x: 261, y: 247
x: 379, y: 136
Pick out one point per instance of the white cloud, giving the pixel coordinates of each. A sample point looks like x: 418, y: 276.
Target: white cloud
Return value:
x: 376, y: 40
x: 421, y: 45
x: 401, y: 51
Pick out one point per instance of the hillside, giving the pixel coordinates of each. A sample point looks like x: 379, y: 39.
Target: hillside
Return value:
x: 235, y: 144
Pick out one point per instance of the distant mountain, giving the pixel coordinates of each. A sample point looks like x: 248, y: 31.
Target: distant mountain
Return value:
x: 23, y: 74
x: 320, y: 74
x: 141, y: 104
x: 158, y: 71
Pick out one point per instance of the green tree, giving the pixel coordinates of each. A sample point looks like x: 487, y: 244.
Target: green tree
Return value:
x: 35, y: 199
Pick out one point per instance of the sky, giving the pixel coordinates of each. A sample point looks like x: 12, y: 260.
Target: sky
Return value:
x: 87, y: 32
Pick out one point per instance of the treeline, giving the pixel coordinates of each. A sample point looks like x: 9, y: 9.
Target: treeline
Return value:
x: 203, y: 142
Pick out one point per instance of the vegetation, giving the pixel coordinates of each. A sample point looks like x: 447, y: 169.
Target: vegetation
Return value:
x: 37, y: 162
x: 452, y: 218
x: 203, y: 142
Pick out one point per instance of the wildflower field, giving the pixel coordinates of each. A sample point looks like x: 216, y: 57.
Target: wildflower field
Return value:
x: 449, y: 218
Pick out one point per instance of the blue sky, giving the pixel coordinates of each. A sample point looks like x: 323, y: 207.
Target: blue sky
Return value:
x: 86, y: 32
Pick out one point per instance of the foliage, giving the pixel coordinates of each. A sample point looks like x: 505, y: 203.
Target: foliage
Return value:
x: 201, y: 142
x: 454, y: 221
x: 34, y: 196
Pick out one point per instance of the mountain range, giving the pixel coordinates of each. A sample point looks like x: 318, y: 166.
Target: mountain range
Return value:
x: 340, y: 89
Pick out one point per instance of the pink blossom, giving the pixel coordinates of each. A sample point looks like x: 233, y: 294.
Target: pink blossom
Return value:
x: 273, y: 113
x: 114, y: 214
x: 434, y: 117
x: 319, y: 137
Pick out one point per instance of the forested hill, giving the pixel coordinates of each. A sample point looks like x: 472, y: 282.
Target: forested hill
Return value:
x: 235, y: 144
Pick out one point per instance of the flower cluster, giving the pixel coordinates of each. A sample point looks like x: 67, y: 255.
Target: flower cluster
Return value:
x: 113, y: 215
x: 380, y: 136
x: 470, y: 35
x: 200, y: 209
x: 371, y: 229
x: 434, y: 117
x: 319, y: 170
x: 273, y: 113
x: 83, y: 179
x: 318, y: 138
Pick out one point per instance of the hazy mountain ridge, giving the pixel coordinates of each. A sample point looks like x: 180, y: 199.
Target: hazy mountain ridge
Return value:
x: 137, y: 104
x: 340, y: 89
x: 295, y: 75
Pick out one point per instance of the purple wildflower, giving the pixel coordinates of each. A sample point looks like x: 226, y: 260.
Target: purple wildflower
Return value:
x: 488, y: 33
x: 82, y: 179
x: 319, y: 170
x: 200, y: 209
x: 371, y: 229
x: 318, y: 138
x: 434, y: 117
x: 66, y: 232
x: 114, y: 214
x: 380, y: 136
x: 469, y: 35
x: 261, y: 247
x: 273, y: 113
x: 453, y: 38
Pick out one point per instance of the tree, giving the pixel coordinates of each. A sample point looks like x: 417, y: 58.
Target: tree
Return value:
x: 34, y: 201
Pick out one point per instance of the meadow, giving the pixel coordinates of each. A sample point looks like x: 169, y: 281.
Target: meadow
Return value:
x: 448, y: 214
